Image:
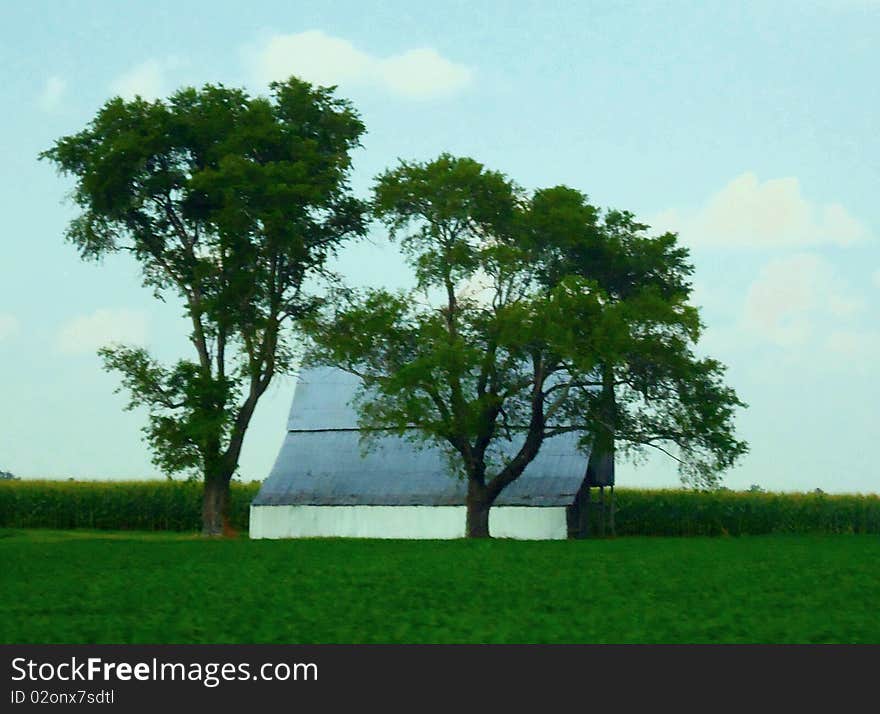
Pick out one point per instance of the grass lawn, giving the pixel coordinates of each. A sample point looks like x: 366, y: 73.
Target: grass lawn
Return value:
x: 91, y: 587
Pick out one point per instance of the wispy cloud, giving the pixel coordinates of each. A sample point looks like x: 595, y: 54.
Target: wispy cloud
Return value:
x: 749, y: 213
x: 148, y: 80
x: 322, y: 59
x: 8, y: 326
x: 52, y: 94
x: 858, y: 348
x: 88, y: 333
x: 793, y: 296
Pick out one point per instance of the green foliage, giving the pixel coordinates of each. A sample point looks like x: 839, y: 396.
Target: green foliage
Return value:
x: 176, y: 505
x: 147, y: 588
x: 723, y: 512
x: 480, y: 353
x: 444, y: 212
x: 649, y: 389
x: 115, y: 505
x: 198, y: 407
x: 233, y: 204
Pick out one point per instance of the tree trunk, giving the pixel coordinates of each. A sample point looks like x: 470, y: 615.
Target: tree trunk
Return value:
x: 478, y: 505
x: 600, y: 466
x: 215, y: 507
x: 590, y: 516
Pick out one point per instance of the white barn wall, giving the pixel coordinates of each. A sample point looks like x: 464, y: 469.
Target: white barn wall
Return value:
x: 528, y: 522
x: 426, y: 522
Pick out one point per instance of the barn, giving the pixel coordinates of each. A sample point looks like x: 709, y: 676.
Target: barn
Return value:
x: 322, y: 485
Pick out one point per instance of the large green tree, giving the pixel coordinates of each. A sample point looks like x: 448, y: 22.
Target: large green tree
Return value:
x: 651, y: 390
x: 480, y: 352
x: 233, y: 203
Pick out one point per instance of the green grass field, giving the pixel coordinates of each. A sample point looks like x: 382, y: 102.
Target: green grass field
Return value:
x: 91, y: 587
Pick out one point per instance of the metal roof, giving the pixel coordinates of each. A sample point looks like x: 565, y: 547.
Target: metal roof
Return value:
x: 321, y: 462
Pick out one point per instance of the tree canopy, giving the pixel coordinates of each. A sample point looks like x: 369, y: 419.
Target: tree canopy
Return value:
x: 233, y: 203
x: 483, y: 349
x: 651, y: 390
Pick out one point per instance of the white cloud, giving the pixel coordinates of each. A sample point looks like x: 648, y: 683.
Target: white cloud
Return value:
x: 792, y: 296
x: 88, y: 333
x: 855, y: 346
x: 52, y: 94
x: 312, y: 55
x: 748, y: 213
x: 325, y: 60
x: 422, y: 74
x: 147, y: 80
x: 8, y: 325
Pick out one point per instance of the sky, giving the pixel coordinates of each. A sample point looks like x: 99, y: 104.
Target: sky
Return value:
x: 748, y: 127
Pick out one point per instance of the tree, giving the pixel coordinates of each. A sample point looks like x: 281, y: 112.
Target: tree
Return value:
x: 479, y: 352
x: 234, y: 203
x: 650, y: 390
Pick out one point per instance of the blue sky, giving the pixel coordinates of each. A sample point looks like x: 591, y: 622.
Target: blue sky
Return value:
x: 750, y: 128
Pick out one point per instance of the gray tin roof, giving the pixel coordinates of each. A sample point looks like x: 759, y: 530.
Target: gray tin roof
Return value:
x: 320, y: 462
